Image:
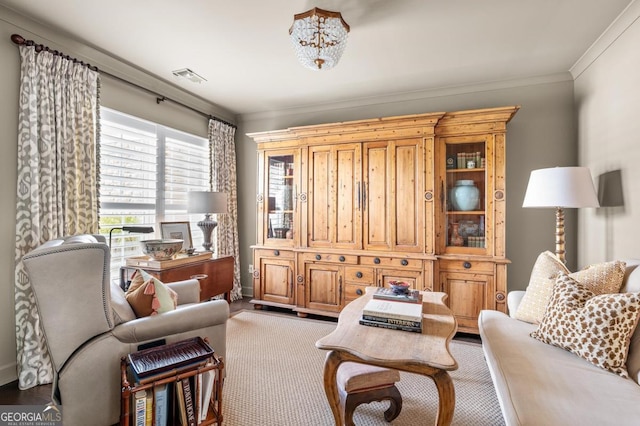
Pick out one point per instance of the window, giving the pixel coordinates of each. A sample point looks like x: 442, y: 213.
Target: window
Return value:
x: 146, y: 171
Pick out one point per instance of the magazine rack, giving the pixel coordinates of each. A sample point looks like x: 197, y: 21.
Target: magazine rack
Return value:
x: 172, y: 376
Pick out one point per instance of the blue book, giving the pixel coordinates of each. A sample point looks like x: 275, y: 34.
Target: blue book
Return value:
x: 162, y: 404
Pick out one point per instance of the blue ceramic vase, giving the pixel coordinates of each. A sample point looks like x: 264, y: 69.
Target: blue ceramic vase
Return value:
x: 465, y: 196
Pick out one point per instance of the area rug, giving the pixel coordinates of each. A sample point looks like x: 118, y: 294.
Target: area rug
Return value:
x: 274, y: 378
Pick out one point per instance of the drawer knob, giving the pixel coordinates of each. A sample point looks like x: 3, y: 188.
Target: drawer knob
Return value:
x: 341, y: 259
x: 359, y: 274
x: 318, y: 257
x: 376, y: 260
x: 276, y: 252
x: 467, y: 265
x: 359, y: 292
x: 404, y: 262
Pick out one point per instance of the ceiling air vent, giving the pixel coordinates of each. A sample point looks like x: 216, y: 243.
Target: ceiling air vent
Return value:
x: 187, y: 74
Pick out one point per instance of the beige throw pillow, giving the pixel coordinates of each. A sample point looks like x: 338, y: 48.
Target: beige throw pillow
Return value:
x: 600, y: 278
x: 543, y: 276
x: 597, y: 328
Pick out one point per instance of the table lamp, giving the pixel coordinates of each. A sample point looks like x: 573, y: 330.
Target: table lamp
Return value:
x: 208, y: 203
x: 561, y: 187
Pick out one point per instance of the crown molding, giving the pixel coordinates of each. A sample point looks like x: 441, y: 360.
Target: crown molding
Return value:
x: 616, y: 29
x: 409, y: 96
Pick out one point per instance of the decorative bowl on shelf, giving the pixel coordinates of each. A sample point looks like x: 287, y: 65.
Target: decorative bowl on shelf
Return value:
x: 161, y: 249
x: 399, y: 287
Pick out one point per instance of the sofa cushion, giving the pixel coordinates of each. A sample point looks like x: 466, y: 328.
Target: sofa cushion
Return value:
x: 540, y: 384
x: 601, y: 278
x: 147, y: 295
x: 543, y: 275
x: 595, y: 327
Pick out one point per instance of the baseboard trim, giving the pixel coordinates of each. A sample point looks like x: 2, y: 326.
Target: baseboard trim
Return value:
x: 8, y: 373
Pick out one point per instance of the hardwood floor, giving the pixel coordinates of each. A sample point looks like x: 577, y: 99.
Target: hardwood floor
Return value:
x: 40, y: 395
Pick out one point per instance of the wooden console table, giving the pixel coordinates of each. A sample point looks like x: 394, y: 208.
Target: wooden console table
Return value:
x: 215, y: 275
x: 425, y: 353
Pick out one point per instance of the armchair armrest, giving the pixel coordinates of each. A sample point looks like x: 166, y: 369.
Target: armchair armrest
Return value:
x: 181, y: 320
x: 513, y: 301
x: 188, y: 291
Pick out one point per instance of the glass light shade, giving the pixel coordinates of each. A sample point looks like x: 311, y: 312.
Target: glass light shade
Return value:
x: 319, y: 38
x: 566, y: 187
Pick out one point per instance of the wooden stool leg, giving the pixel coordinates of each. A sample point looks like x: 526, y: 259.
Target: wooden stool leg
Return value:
x: 396, y: 404
x: 352, y: 400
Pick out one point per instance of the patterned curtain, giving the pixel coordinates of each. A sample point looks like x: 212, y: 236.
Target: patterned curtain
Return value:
x: 57, y: 181
x: 223, y: 176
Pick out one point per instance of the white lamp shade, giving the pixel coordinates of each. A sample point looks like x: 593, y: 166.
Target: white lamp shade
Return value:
x: 206, y: 202
x: 566, y: 187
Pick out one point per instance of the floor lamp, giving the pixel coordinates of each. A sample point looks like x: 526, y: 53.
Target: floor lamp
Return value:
x: 134, y: 229
x: 208, y: 203
x: 561, y: 188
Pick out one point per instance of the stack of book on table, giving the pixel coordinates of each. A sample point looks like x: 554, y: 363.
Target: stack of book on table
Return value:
x: 395, y: 311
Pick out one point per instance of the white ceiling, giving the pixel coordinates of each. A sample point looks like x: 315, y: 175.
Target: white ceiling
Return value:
x: 395, y: 46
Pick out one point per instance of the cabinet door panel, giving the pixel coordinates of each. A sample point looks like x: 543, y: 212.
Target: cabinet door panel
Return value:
x: 376, y: 197
x: 347, y: 224
x: 467, y: 297
x: 334, y: 197
x: 320, y: 187
x: 276, y: 280
x: 408, y: 213
x: 323, y: 287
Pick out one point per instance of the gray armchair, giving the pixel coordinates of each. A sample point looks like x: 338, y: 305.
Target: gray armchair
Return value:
x: 89, y: 325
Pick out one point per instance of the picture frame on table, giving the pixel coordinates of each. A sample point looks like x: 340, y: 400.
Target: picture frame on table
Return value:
x: 177, y: 231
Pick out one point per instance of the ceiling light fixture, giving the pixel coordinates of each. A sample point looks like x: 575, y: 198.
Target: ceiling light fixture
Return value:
x: 319, y: 38
x: 189, y: 75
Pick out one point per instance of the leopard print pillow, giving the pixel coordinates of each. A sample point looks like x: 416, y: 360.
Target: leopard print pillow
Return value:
x: 595, y: 327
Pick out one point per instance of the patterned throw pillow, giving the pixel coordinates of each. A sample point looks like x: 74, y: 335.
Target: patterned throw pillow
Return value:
x: 147, y: 295
x: 543, y: 276
x: 597, y: 328
x: 601, y: 278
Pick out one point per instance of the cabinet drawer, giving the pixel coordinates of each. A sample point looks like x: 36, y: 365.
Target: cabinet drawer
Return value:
x: 395, y: 262
x: 281, y: 254
x: 462, y: 265
x: 353, y: 291
x: 359, y: 275
x: 330, y: 258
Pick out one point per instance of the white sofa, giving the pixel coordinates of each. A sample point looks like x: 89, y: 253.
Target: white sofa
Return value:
x: 540, y: 384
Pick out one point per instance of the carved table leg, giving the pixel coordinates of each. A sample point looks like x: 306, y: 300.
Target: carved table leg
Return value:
x: 331, y: 364
x: 446, y: 397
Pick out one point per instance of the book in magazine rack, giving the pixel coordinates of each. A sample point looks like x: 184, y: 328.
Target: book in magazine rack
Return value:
x: 166, y: 365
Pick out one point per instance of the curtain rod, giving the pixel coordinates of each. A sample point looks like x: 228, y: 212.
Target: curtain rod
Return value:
x: 19, y: 40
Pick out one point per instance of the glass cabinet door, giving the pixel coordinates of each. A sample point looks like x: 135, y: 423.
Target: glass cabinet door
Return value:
x: 465, y: 194
x: 280, y: 196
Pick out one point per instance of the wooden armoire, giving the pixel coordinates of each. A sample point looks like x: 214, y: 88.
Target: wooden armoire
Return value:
x: 344, y: 206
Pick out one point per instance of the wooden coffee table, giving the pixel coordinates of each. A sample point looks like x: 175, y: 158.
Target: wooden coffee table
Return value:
x: 425, y: 353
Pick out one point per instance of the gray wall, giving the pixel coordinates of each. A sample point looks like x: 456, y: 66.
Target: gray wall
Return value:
x: 540, y: 135
x: 607, y: 95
